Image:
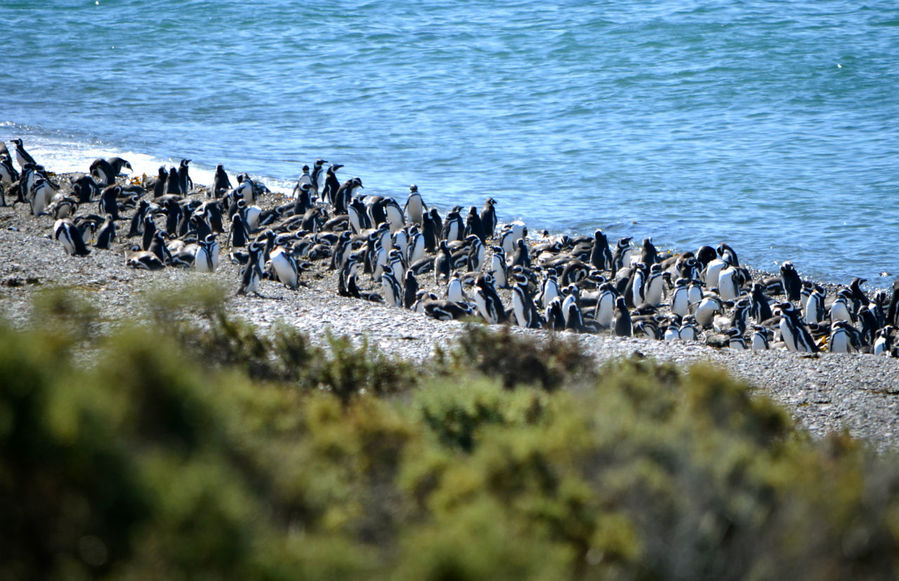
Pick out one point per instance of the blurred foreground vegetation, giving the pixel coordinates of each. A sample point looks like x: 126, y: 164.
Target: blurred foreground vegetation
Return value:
x: 191, y: 445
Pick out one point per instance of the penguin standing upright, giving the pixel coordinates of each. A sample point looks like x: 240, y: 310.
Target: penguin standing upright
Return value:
x: 22, y: 157
x: 791, y: 282
x: 474, y: 226
x: 331, y: 185
x: 173, y: 182
x: 305, y: 179
x: 184, y: 177
x: 487, y: 300
x: 410, y: 289
x: 251, y: 274
x: 109, y: 201
x: 207, y: 256
x: 793, y: 331
x: 415, y: 207
x: 159, y: 186
x: 488, y: 217
x: 220, y: 182
x: 600, y: 254
x: 106, y: 234
x: 498, y: 267
x: 623, y: 327
x: 318, y: 176
x: 284, y: 267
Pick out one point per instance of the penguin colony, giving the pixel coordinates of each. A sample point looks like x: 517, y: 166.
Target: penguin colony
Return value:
x: 452, y: 266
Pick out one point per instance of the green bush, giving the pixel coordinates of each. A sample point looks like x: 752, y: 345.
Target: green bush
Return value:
x: 199, y: 446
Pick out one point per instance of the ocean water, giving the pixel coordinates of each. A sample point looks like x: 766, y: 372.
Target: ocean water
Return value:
x: 773, y: 126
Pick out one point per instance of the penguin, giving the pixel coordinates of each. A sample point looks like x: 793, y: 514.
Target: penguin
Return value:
x: 655, y: 286
x: 393, y: 214
x: 687, y: 329
x: 620, y: 255
x: 101, y: 171
x: 476, y: 253
x: 410, y: 289
x: 173, y: 182
x: 761, y: 337
x: 318, y: 175
x: 443, y: 262
x: 604, y: 311
x: 814, y: 306
x: 555, y: 319
x: 159, y: 248
x: 839, y: 309
x: 600, y: 254
x: 144, y: 260
x: 220, y: 182
x: 488, y: 217
x: 635, y: 293
x: 672, y: 331
x: 331, y: 184
x: 680, y: 303
x: 148, y: 232
x: 251, y: 274
x: 345, y: 194
x: 735, y: 340
x: 793, y: 331
x: 730, y: 281
x: 649, y: 255
x: 623, y: 327
x: 184, y: 182
x: 40, y: 196
x: 22, y: 157
x: 839, y: 340
x: 66, y: 232
x: 487, y: 300
x: 305, y: 179
x: 710, y: 306
x: 574, y: 318
x: 207, y: 257
x: 474, y: 226
x: 447, y: 310
x: 392, y: 292
x: 760, y: 307
x: 549, y: 289
x: 416, y: 246
x: 159, y: 186
x: 415, y: 208
x: 106, y: 234
x: 8, y: 173
x: 109, y: 203
x: 453, y: 227
x: 524, y: 310
x: 883, y: 342
x: 498, y: 268
x: 728, y: 255
x: 792, y: 284
x: 454, y: 289
x: 237, y: 236
x: 522, y: 255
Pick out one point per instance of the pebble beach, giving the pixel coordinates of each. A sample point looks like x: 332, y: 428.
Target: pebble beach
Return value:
x: 825, y: 392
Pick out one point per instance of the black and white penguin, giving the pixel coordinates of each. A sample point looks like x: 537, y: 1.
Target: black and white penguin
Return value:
x: 453, y: 227
x: 687, y: 329
x: 345, y: 194
x: 221, y: 183
x: 760, y: 306
x: 184, y: 181
x: 474, y: 226
x: 173, y: 182
x: 793, y: 331
x: 237, y: 236
x: 488, y: 217
x: 416, y: 246
x: 476, y: 253
x: 735, y: 340
x: 40, y: 195
x: 840, y: 309
x: 66, y: 232
x: 318, y: 175
x: 620, y: 256
x: 22, y: 156
x: 331, y: 184
x: 655, y: 286
x: 761, y: 338
x: 554, y: 319
x: 410, y: 289
x: 443, y: 262
x: 604, y: 311
x: 792, y: 284
x: 549, y: 288
x: 883, y: 341
x: 728, y: 255
x: 649, y: 255
x: 109, y: 203
x: 839, y: 340
x: 522, y: 256
x: 498, y: 267
x: 415, y: 208
x: 487, y: 300
x: 207, y: 256
x: 814, y: 306
x: 8, y: 173
x: 524, y: 309
x: 623, y: 327
x: 106, y: 234
x: 251, y: 275
x: 600, y: 254
x: 391, y: 289
x: 148, y: 231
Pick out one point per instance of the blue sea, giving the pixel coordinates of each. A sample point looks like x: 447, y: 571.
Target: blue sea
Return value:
x: 773, y: 126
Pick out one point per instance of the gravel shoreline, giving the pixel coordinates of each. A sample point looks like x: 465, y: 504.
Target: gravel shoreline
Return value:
x: 825, y: 393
